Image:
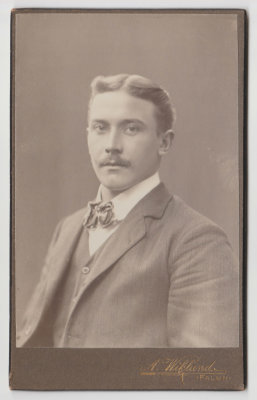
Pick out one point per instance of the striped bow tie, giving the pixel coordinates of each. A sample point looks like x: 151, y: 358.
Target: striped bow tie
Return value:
x: 99, y: 214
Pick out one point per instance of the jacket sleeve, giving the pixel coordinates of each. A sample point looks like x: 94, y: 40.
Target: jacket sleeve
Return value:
x: 203, y: 306
x: 25, y: 336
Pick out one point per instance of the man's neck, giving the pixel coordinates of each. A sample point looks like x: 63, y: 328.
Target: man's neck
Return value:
x: 108, y: 194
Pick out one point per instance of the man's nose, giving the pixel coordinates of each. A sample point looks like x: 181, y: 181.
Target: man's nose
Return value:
x: 114, y: 142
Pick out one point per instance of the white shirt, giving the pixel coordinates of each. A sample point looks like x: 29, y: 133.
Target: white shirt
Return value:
x: 123, y: 204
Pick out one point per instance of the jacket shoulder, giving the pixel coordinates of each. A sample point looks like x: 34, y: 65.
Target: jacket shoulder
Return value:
x: 194, y: 234
x: 74, y: 218
x: 65, y: 229
x: 185, y: 219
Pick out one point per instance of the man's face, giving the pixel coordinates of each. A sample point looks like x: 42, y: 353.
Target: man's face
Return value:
x: 122, y: 139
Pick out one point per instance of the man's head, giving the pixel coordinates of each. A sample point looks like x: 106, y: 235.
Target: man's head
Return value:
x: 130, y: 128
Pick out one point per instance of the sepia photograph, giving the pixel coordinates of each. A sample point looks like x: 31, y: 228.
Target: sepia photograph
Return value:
x: 127, y: 190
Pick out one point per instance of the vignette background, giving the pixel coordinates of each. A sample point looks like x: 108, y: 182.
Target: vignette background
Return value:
x: 193, y: 56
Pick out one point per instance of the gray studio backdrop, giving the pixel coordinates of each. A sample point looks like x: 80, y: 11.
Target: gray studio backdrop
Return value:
x: 193, y: 56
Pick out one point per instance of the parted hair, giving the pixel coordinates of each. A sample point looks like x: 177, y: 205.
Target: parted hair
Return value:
x: 141, y: 87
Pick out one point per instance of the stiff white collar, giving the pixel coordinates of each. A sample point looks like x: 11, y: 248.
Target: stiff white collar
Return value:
x: 125, y: 201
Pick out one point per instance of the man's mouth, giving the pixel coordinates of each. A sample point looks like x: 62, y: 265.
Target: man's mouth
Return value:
x: 115, y: 163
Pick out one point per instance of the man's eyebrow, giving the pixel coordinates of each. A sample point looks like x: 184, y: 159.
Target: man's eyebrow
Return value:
x: 122, y: 122
x: 102, y: 121
x: 132, y: 120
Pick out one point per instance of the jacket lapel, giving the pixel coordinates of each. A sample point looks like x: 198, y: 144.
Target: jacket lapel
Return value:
x: 131, y: 231
x: 63, y: 250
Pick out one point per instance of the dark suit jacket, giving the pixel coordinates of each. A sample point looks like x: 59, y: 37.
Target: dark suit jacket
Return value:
x: 166, y: 278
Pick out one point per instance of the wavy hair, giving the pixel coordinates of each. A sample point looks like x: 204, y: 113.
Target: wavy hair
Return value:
x: 141, y: 87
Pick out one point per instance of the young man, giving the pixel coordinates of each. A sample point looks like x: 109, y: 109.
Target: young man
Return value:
x: 137, y: 267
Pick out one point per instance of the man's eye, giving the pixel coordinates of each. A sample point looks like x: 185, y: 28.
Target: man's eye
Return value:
x: 99, y: 127
x: 131, y: 129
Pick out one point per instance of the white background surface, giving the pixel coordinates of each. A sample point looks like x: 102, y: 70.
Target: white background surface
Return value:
x: 5, y: 7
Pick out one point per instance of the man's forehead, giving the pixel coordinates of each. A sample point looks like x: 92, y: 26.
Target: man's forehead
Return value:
x: 120, y: 104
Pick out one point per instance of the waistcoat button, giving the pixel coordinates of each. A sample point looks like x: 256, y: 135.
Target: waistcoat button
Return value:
x: 85, y: 270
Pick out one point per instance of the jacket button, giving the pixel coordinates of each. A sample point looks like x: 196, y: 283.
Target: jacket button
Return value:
x: 85, y: 270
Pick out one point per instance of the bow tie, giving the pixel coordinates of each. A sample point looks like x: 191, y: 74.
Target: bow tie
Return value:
x: 99, y: 214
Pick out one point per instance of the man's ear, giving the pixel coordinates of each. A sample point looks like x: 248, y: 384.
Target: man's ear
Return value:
x: 166, y: 139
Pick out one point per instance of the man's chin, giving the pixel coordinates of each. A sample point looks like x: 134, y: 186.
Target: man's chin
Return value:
x: 117, y: 187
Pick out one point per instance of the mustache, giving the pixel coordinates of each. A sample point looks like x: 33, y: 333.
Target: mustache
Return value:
x: 113, y: 161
